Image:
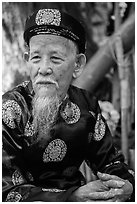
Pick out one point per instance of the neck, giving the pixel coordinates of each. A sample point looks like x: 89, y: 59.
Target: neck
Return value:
x: 63, y: 98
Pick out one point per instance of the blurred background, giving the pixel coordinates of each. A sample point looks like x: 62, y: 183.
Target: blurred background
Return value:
x: 115, y: 88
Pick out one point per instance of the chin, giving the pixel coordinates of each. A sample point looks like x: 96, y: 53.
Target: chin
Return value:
x: 46, y: 91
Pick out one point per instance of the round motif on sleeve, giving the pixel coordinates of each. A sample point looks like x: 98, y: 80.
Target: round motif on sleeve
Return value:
x: 71, y: 113
x: 11, y: 112
x: 100, y: 129
x: 29, y: 129
x: 17, y: 177
x: 13, y: 197
x: 55, y: 151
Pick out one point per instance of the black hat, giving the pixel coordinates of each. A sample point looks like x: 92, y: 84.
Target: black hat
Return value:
x: 55, y: 22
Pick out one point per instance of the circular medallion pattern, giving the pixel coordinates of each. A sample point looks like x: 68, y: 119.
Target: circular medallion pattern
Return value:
x: 100, y: 129
x: 55, y: 151
x: 48, y: 17
x: 11, y: 112
x: 71, y: 113
x: 13, y: 197
x: 17, y: 177
x: 29, y: 129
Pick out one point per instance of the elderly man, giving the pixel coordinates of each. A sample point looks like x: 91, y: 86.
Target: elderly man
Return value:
x: 50, y: 127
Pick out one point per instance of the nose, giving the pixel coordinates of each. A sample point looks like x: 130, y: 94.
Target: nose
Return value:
x: 45, y: 68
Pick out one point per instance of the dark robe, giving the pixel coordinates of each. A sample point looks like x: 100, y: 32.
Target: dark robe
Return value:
x: 51, y: 172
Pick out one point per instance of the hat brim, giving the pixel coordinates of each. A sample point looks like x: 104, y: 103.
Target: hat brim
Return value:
x: 53, y: 30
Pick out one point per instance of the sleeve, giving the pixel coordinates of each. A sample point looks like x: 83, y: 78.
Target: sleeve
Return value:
x: 18, y: 184
x: 101, y: 153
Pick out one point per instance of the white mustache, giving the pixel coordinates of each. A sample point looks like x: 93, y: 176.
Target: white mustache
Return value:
x: 47, y: 81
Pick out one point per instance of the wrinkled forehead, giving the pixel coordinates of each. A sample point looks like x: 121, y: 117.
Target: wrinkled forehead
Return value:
x: 51, y: 41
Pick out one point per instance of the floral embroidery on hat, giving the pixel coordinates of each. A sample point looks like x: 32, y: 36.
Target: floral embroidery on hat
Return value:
x: 13, y: 197
x: 100, y: 129
x: 55, y: 151
x: 48, y: 17
x: 11, y: 112
x: 71, y: 113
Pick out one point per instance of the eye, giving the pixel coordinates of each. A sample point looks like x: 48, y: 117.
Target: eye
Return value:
x: 35, y: 58
x: 56, y: 59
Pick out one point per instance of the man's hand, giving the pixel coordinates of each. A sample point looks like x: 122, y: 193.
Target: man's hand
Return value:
x: 122, y: 188
x: 89, y: 192
x: 108, y: 188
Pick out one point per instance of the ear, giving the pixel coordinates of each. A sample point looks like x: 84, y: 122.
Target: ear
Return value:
x: 26, y: 56
x: 79, y: 66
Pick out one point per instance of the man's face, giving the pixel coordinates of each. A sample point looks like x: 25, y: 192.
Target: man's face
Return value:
x: 52, y: 62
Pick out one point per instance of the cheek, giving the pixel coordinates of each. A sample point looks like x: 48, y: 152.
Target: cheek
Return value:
x: 65, y: 75
x: 61, y: 74
x: 33, y: 69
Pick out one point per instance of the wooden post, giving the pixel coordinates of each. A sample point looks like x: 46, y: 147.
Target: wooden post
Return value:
x: 104, y: 59
x: 116, y: 91
x: 124, y: 88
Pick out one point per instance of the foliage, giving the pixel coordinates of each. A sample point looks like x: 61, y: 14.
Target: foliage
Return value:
x: 110, y: 114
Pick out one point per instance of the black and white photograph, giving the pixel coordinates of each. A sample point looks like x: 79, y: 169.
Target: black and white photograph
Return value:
x: 68, y: 101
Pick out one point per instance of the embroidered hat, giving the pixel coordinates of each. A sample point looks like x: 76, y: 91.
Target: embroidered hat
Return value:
x: 55, y: 22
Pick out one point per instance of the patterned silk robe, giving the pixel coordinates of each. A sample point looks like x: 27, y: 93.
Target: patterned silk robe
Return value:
x: 51, y: 172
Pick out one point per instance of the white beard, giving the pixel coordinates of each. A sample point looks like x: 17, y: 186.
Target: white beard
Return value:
x: 45, y: 112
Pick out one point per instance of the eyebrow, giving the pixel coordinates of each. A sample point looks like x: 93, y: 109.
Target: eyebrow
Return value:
x: 51, y: 52
x: 58, y: 52
x: 34, y: 52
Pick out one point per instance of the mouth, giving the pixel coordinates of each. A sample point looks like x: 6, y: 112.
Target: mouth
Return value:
x: 45, y: 83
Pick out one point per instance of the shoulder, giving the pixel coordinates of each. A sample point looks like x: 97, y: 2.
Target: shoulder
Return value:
x: 17, y: 93
x: 83, y: 96
x: 14, y: 104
